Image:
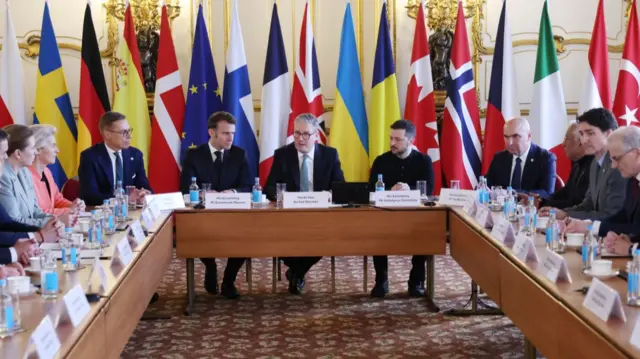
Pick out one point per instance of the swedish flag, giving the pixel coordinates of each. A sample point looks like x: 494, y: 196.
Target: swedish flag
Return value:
x: 53, y: 105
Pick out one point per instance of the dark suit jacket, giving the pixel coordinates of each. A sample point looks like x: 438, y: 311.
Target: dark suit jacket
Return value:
x: 573, y: 192
x: 5, y: 256
x: 286, y: 169
x: 7, y: 224
x: 627, y: 220
x: 9, y: 239
x: 233, y: 174
x: 538, y: 176
x: 96, y: 173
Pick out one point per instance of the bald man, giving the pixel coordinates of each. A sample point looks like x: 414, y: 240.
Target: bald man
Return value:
x: 524, y: 166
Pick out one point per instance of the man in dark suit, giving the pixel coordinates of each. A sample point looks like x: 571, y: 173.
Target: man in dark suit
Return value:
x: 104, y: 164
x: 226, y: 168
x: 624, y: 148
x: 401, y: 168
x: 304, y: 166
x: 576, y: 187
x: 524, y: 166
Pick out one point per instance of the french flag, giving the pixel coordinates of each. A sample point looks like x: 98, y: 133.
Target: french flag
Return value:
x: 461, y: 150
x: 596, y: 90
x: 503, y: 92
x: 236, y: 97
x: 275, y: 98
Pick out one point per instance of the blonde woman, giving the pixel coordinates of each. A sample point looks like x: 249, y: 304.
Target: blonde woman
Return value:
x: 47, y: 193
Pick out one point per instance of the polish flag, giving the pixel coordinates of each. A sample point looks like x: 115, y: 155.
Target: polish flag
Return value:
x: 12, y: 109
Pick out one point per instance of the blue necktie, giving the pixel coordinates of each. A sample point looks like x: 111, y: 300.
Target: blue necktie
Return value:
x: 516, y: 178
x: 118, y: 168
x: 304, y: 175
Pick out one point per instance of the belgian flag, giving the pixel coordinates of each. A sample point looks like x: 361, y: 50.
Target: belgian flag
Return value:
x: 94, y: 99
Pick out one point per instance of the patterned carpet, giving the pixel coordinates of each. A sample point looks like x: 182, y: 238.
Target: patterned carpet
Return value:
x: 348, y: 324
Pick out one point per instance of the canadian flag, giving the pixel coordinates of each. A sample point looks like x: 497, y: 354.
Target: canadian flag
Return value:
x: 627, y: 98
x: 168, y: 116
x: 12, y: 109
x: 420, y: 104
x: 307, y: 94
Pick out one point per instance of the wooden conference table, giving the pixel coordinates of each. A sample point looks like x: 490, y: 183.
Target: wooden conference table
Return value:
x: 106, y: 329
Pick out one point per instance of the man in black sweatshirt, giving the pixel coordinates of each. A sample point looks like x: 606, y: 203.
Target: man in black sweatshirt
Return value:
x: 401, y: 168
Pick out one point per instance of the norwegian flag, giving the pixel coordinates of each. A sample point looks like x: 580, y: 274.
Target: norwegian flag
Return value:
x: 168, y: 116
x: 627, y: 98
x: 462, y: 149
x: 307, y: 95
x: 420, y: 105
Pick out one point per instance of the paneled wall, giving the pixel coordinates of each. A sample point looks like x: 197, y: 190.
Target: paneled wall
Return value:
x: 572, y: 20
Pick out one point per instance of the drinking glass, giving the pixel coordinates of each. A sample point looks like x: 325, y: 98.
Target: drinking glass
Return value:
x: 131, y: 191
x: 454, y: 184
x: 49, y: 284
x: 206, y: 187
x: 422, y: 187
x: 281, y: 188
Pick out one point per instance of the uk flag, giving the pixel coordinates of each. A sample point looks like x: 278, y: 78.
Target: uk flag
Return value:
x: 461, y: 148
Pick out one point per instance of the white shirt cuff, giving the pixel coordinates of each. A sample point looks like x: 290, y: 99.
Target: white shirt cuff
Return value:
x: 14, y: 255
x: 595, y: 228
x: 31, y: 235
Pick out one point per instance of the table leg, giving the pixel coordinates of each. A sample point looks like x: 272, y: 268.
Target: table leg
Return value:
x: 274, y: 268
x: 191, y: 290
x: 249, y: 275
x: 279, y: 269
x: 529, y: 349
x: 431, y: 275
x: 475, y: 302
x: 333, y: 274
x: 365, y: 273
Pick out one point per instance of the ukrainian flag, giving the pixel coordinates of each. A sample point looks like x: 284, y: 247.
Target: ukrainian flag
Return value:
x: 349, y: 128
x: 53, y: 105
x: 384, y: 108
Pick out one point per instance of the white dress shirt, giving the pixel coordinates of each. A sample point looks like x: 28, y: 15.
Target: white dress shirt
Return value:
x: 523, y: 159
x: 309, y: 166
x: 112, y: 156
x: 213, y: 152
x: 595, y: 227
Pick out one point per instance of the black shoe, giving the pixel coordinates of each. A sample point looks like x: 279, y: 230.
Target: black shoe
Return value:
x: 154, y: 298
x: 296, y: 284
x: 229, y: 291
x: 211, y: 282
x: 416, y: 289
x: 380, y: 289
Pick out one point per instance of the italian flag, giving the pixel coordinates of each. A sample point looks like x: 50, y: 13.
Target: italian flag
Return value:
x: 548, y: 112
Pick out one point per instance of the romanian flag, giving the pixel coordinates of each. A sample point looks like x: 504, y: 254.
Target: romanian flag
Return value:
x: 94, y: 99
x: 130, y: 98
x: 349, y: 128
x: 53, y: 105
x: 384, y: 108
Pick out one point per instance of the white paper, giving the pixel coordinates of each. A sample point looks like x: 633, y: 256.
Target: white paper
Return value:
x: 155, y: 210
x: 635, y: 335
x: 77, y: 305
x: 137, y: 232
x: 455, y: 197
x: 306, y: 200
x: 471, y: 206
x: 166, y: 201
x: 554, y: 267
x: 227, y: 201
x: 524, y: 249
x: 147, y: 219
x: 503, y: 231
x: 45, y: 339
x: 483, y: 217
x: 398, y: 199
x: 603, y: 301
x: 125, y: 254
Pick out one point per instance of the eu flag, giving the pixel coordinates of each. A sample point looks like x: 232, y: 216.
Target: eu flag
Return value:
x: 204, y: 96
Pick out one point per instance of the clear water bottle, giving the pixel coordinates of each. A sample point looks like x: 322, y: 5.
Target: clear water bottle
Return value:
x: 109, y: 221
x: 256, y: 193
x: 530, y: 218
x: 96, y: 228
x: 588, y: 249
x: 65, y: 245
x: 380, y: 184
x: 483, y: 191
x: 49, y: 284
x: 552, y: 232
x: 7, y: 312
x: 509, y: 204
x: 633, y: 275
x: 121, y: 209
x: 194, y: 192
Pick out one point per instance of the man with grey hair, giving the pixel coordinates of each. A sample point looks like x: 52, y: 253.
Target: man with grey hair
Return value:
x: 624, y: 148
x: 304, y: 166
x: 524, y: 166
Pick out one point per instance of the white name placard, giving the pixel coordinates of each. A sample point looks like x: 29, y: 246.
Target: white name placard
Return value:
x: 137, y: 232
x: 604, y: 301
x: 398, y: 199
x: 227, y: 200
x: 524, y: 249
x: 455, y: 197
x: 306, y: 200
x: 166, y: 201
x: 635, y: 335
x: 45, y: 339
x: 483, y: 216
x: 503, y: 231
x: 76, y: 304
x: 554, y: 267
x: 147, y: 219
x: 154, y: 209
x: 125, y: 254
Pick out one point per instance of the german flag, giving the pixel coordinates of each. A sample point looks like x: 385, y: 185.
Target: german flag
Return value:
x: 94, y: 99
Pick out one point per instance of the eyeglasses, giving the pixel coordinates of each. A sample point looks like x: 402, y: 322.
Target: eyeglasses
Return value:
x: 124, y: 133
x: 617, y: 159
x: 304, y: 135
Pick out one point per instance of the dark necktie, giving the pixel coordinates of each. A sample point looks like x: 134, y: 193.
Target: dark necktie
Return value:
x: 217, y: 165
x: 634, y: 183
x: 118, y: 168
x: 517, y: 174
x: 218, y: 160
